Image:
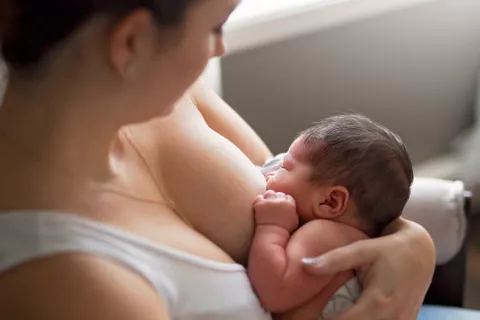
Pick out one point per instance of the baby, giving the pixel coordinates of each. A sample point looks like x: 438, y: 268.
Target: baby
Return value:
x: 343, y: 180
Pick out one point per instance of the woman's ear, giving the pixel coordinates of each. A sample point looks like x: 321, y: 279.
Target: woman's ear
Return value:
x: 332, y: 202
x: 129, y: 41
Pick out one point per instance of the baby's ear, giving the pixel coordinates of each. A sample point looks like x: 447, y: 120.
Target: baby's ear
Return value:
x: 334, y: 202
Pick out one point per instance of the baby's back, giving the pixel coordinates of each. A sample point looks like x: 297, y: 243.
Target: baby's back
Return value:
x: 319, y: 236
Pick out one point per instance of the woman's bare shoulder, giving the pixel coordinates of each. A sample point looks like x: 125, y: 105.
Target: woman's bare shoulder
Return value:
x: 77, y: 287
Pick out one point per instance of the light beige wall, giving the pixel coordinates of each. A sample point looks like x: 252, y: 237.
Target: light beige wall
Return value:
x: 413, y: 71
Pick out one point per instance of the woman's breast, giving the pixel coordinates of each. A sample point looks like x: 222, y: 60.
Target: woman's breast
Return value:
x: 206, y: 179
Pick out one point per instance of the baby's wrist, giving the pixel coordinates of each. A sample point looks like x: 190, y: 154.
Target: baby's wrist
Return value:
x: 272, y: 228
x: 270, y: 225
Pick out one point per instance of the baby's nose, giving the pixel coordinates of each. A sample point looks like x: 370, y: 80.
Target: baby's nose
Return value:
x: 269, y: 175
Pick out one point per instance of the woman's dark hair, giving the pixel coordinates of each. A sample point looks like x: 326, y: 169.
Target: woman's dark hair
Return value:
x: 29, y: 29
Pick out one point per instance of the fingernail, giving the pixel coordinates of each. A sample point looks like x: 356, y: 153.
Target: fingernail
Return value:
x: 310, y: 261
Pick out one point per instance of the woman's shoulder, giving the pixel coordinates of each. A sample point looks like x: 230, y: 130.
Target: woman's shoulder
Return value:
x: 77, y: 286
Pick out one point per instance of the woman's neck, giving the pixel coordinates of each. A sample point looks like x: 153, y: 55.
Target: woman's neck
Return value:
x: 49, y: 129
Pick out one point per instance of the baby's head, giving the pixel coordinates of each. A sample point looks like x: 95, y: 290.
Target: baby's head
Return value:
x: 349, y: 169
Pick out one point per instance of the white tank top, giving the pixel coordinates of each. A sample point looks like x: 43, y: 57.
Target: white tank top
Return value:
x: 193, y: 288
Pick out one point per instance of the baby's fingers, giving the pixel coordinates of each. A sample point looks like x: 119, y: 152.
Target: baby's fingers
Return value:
x: 289, y: 198
x: 269, y: 194
x: 258, y: 199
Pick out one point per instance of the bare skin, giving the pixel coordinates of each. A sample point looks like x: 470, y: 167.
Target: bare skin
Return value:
x: 275, y: 268
x: 57, y: 156
x: 159, y: 223
x: 175, y: 172
x: 158, y: 218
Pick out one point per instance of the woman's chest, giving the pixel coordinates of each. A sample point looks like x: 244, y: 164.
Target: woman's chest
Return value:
x: 203, y: 177
x: 156, y: 222
x: 195, y: 278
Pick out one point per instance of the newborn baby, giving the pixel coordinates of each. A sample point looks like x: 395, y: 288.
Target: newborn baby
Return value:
x: 343, y: 180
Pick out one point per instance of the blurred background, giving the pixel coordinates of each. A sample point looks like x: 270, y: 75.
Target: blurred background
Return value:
x: 411, y: 65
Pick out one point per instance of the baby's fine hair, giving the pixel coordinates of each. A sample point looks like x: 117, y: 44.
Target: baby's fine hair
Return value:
x: 366, y: 158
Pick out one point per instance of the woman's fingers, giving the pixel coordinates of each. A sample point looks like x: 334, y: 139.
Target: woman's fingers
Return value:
x: 346, y: 258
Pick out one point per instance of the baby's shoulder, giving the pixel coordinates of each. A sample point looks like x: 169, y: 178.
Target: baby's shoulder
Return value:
x: 329, y: 230
x: 319, y: 236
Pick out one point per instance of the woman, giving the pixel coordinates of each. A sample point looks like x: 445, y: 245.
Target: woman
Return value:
x: 124, y: 197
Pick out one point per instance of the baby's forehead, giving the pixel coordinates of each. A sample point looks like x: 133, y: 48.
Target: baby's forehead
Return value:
x: 300, y: 151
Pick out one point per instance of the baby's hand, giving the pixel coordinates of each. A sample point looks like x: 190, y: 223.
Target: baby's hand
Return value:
x: 276, y: 208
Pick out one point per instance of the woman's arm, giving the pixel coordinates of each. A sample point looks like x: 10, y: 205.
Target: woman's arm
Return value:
x: 78, y: 287
x: 225, y: 121
x: 395, y: 270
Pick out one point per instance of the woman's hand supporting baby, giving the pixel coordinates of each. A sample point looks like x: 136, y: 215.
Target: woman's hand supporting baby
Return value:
x: 395, y: 270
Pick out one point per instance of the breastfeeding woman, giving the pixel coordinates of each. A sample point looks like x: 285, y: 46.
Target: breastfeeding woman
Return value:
x: 126, y: 189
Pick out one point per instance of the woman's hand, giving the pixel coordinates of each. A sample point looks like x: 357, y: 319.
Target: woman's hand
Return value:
x: 395, y: 270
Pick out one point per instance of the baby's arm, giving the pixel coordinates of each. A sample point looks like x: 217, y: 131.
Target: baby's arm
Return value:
x: 275, y: 268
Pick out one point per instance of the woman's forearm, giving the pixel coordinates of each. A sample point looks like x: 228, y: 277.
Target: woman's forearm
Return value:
x: 225, y: 121
x: 397, y: 226
x: 414, y: 233
x: 411, y: 233
x: 402, y: 227
x: 396, y: 271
